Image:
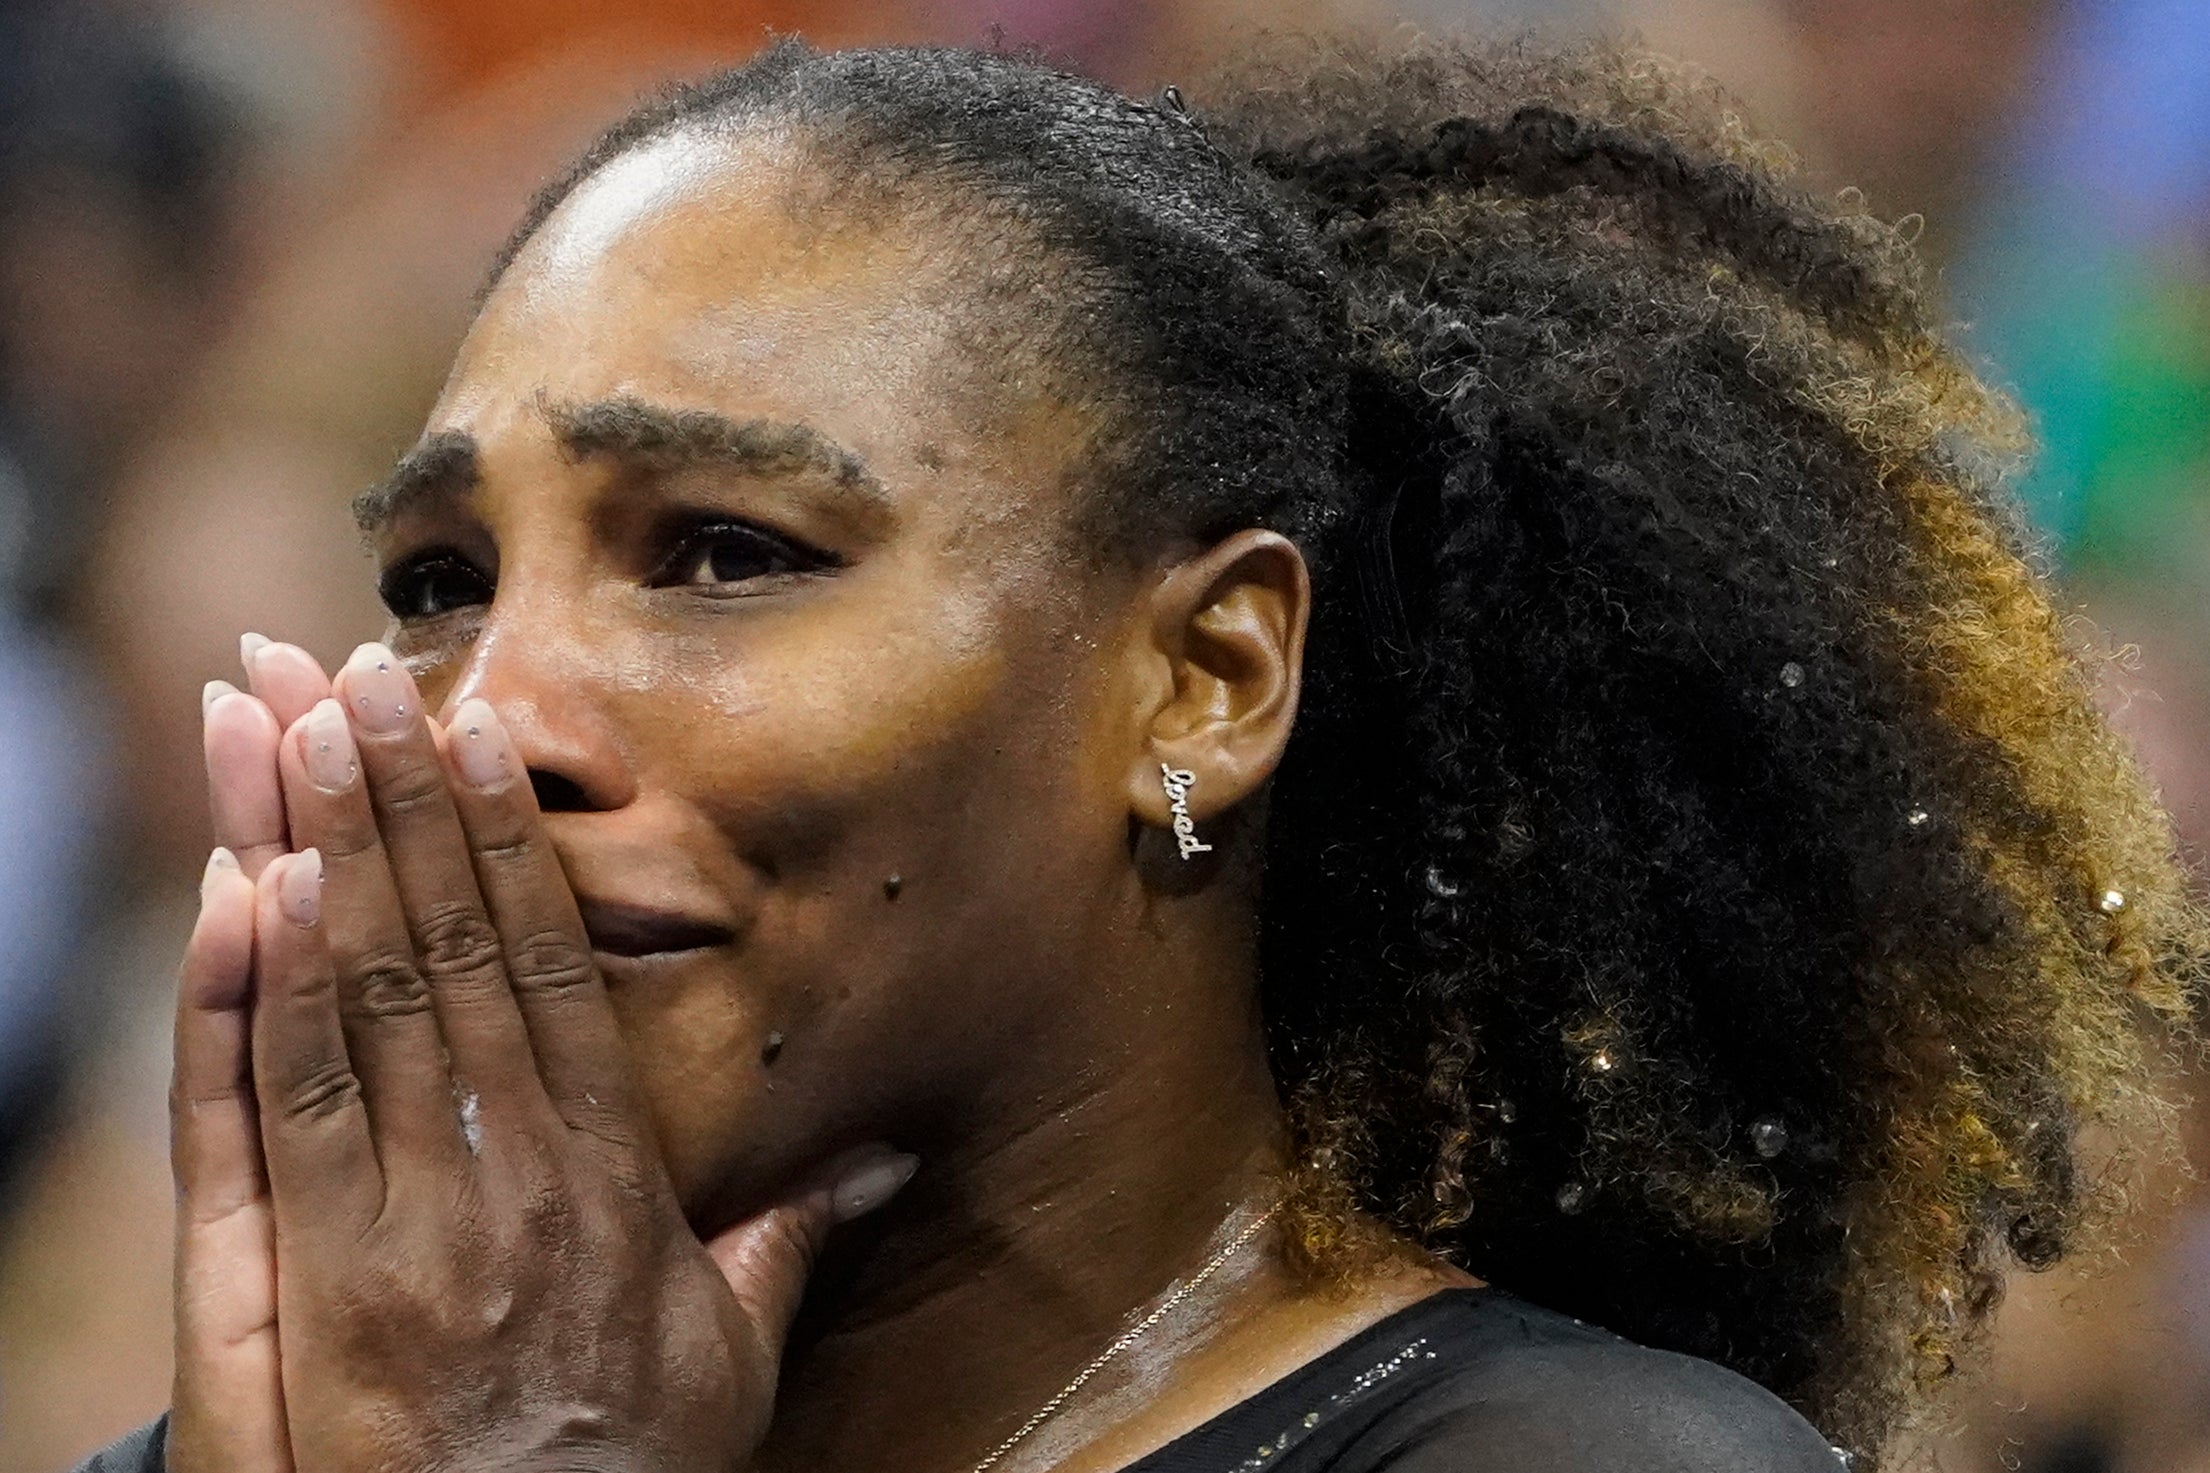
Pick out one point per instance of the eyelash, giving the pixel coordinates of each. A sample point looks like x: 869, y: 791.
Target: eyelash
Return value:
x: 438, y: 581
x: 787, y: 556
x: 410, y: 587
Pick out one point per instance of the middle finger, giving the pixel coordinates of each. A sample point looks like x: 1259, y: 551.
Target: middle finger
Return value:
x: 455, y: 942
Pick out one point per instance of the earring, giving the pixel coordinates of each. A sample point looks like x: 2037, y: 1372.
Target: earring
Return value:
x: 1178, y: 783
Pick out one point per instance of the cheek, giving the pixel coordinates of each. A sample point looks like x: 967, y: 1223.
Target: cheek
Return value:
x: 847, y: 734
x: 903, y: 701
x: 907, y: 810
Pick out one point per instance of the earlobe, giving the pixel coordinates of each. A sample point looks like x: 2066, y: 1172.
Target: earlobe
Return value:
x: 1228, y: 625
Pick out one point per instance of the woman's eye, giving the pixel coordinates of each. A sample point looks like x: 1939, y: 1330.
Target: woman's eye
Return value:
x: 431, y: 584
x: 732, y: 553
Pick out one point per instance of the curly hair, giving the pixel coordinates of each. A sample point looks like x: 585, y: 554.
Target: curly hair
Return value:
x: 1700, y: 894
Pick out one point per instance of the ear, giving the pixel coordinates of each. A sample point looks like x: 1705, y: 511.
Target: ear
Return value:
x: 1222, y: 669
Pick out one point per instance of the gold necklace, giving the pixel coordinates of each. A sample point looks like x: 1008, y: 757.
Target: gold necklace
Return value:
x: 1130, y: 1336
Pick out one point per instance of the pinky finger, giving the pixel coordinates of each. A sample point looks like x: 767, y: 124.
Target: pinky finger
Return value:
x: 227, y: 1409
x: 214, y: 1139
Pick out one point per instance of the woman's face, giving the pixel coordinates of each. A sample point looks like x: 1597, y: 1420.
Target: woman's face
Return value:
x: 774, y: 590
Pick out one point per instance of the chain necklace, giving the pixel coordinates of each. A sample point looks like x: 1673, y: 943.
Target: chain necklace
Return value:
x: 1130, y: 1336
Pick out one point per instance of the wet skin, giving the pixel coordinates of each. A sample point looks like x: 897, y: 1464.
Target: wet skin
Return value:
x: 842, y: 725
x: 851, y: 757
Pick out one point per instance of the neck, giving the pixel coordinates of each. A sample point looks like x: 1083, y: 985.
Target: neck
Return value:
x: 995, y: 1279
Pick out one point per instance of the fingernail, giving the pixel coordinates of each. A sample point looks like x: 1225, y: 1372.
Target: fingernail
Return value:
x: 299, y: 888
x: 329, y: 748
x: 212, y: 692
x: 869, y: 1185
x: 250, y: 645
x: 221, y: 862
x: 481, y: 749
x: 377, y: 687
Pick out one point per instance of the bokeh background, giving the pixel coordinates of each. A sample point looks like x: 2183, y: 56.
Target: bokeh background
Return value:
x: 238, y: 241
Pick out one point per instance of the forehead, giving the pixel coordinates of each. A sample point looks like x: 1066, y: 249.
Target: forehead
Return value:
x: 726, y: 274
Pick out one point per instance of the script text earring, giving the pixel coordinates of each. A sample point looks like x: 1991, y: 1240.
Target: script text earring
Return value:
x: 1178, y: 783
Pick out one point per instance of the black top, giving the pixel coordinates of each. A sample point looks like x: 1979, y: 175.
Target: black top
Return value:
x: 1475, y: 1381
x: 1465, y: 1381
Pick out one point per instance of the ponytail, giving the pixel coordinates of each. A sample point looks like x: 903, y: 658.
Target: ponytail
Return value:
x: 1682, y: 894
x: 1539, y: 151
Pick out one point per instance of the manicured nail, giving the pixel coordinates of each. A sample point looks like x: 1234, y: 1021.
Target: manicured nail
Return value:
x: 299, y: 887
x: 480, y: 746
x: 381, y: 696
x: 870, y: 1184
x: 219, y: 863
x: 328, y: 741
x: 250, y: 645
x: 212, y: 692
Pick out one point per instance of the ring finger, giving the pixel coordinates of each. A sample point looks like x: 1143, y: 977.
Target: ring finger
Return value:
x: 391, y: 1031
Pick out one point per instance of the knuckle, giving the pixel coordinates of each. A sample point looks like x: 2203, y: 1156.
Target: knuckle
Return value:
x: 791, y: 1239
x: 412, y: 789
x: 612, y: 1132
x: 456, y: 939
x: 508, y: 852
x: 187, y: 1098
x: 389, y: 986
x: 552, y: 962
x: 344, y: 840
x: 321, y: 1092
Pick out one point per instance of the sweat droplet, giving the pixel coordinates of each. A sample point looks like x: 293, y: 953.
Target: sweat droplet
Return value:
x: 2112, y: 902
x: 1572, y: 1197
x: 1791, y: 675
x: 1507, y: 1111
x: 1440, y: 885
x: 772, y: 1048
x: 1602, y: 1062
x: 1916, y: 817
x: 1768, y: 1137
x: 892, y: 886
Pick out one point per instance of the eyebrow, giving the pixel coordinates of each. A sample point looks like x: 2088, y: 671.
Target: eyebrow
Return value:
x: 650, y: 437
x: 656, y: 438
x: 443, y: 465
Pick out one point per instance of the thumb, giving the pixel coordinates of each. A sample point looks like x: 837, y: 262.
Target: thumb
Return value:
x: 767, y: 1259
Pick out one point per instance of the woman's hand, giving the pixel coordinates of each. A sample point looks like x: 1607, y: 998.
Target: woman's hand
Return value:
x: 483, y: 1264
x: 227, y: 1407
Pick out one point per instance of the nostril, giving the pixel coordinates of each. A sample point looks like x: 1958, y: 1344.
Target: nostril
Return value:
x: 557, y: 794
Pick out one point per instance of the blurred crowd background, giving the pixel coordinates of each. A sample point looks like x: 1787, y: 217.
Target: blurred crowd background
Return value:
x: 238, y: 242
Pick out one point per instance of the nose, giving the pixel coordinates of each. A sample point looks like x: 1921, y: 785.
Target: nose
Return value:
x: 540, y: 680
